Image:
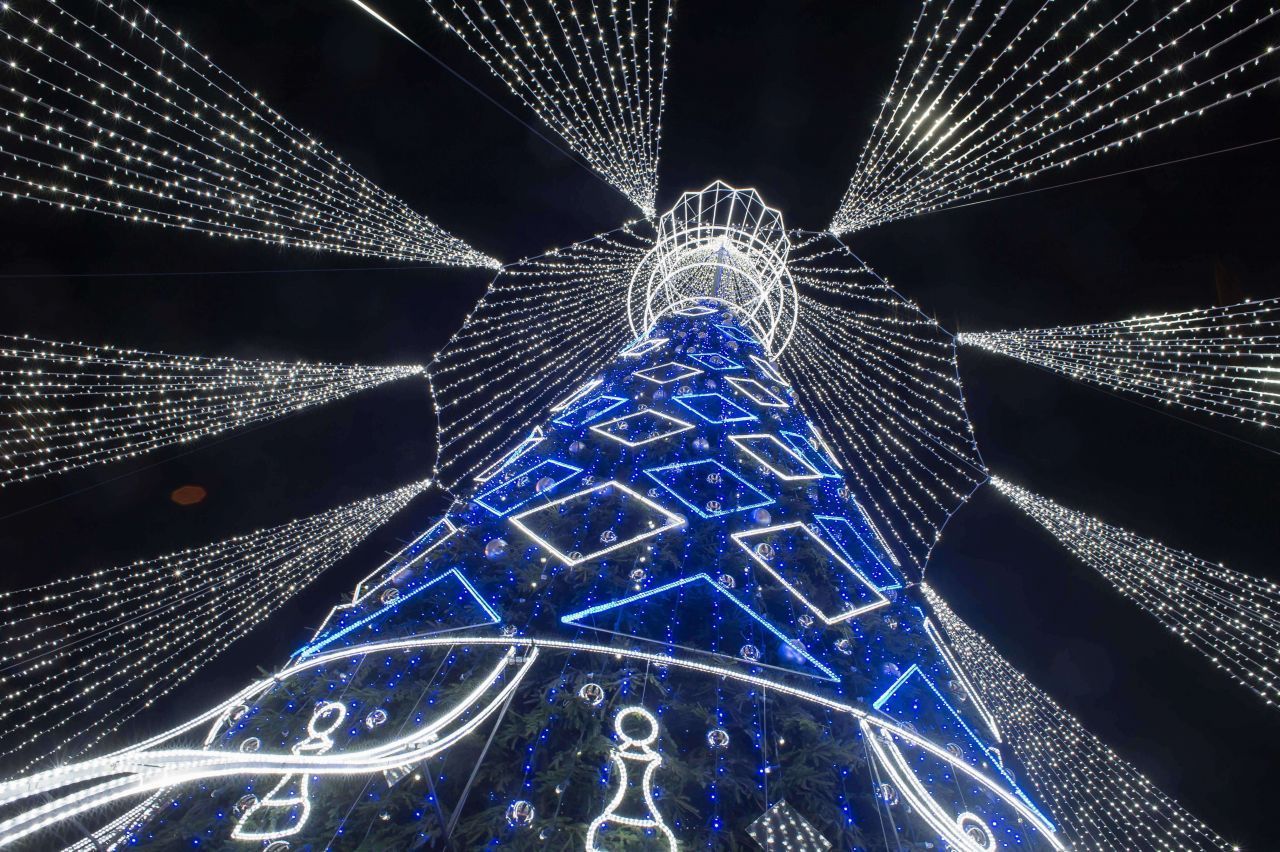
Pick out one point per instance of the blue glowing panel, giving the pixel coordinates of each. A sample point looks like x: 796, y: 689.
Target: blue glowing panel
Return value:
x: 681, y: 609
x: 804, y: 447
x: 776, y: 457
x: 443, y: 603
x: 714, y: 361
x: 811, y: 571
x: 714, y: 408
x: 668, y: 373
x: 643, y: 427
x: 709, y: 488
x: 644, y: 346
x: 590, y: 409
x: 734, y: 333
x: 522, y: 487
x: 914, y: 698
x: 857, y: 548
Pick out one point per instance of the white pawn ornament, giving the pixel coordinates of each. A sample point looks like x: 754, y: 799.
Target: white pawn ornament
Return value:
x: 284, y: 810
x: 638, y: 752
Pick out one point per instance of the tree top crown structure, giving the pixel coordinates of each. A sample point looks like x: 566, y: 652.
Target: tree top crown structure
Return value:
x: 724, y: 245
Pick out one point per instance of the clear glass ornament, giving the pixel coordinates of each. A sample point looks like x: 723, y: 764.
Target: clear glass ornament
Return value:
x: 592, y: 694
x: 520, y: 814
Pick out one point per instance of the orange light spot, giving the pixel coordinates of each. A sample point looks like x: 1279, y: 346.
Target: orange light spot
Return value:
x: 188, y: 495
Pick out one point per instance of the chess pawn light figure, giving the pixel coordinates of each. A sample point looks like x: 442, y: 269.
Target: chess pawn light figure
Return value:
x: 637, y: 732
x: 284, y: 810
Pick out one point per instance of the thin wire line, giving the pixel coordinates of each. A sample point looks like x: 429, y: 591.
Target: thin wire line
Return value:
x: 1112, y: 174
x: 535, y: 131
x: 35, y: 275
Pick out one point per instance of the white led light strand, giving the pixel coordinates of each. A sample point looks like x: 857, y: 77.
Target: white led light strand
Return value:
x: 1228, y: 616
x: 592, y: 71
x: 81, y: 656
x: 1098, y: 799
x: 106, y: 109
x: 1221, y: 361
x: 64, y: 406
x: 544, y: 326
x: 988, y: 95
x: 879, y: 377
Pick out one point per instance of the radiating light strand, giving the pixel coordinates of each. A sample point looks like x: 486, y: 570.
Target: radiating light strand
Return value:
x: 1228, y: 616
x: 157, y: 133
x: 983, y: 98
x: 1099, y: 800
x: 65, y: 406
x: 82, y: 655
x: 1220, y: 361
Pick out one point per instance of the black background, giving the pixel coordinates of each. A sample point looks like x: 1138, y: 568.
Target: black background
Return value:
x: 778, y: 96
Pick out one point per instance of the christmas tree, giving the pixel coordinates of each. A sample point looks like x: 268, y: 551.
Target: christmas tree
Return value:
x: 661, y: 619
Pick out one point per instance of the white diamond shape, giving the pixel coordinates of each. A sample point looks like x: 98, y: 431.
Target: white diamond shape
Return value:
x: 783, y: 828
x: 685, y: 371
x: 527, y: 521
x: 878, y: 599
x: 757, y: 393
x: 611, y: 430
x: 746, y: 442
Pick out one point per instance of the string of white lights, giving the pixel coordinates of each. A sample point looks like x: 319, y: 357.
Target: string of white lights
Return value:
x: 541, y: 330
x: 592, y: 71
x: 879, y: 377
x: 68, y: 405
x: 1221, y: 361
x: 104, y: 108
x: 81, y: 656
x: 1228, y: 616
x: 1099, y: 800
x: 985, y: 97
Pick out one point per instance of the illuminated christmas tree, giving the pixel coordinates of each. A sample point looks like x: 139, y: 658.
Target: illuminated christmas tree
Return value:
x: 697, y: 466
x: 663, y: 617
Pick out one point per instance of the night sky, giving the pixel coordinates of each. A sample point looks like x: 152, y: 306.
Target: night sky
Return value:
x: 774, y: 95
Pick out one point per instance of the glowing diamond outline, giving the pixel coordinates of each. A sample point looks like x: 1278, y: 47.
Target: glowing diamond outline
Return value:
x: 739, y: 537
x: 692, y: 371
x: 602, y: 428
x: 674, y: 521
x: 785, y: 477
x: 653, y: 472
x: 703, y: 357
x: 746, y: 417
x: 769, y: 400
x: 643, y: 347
